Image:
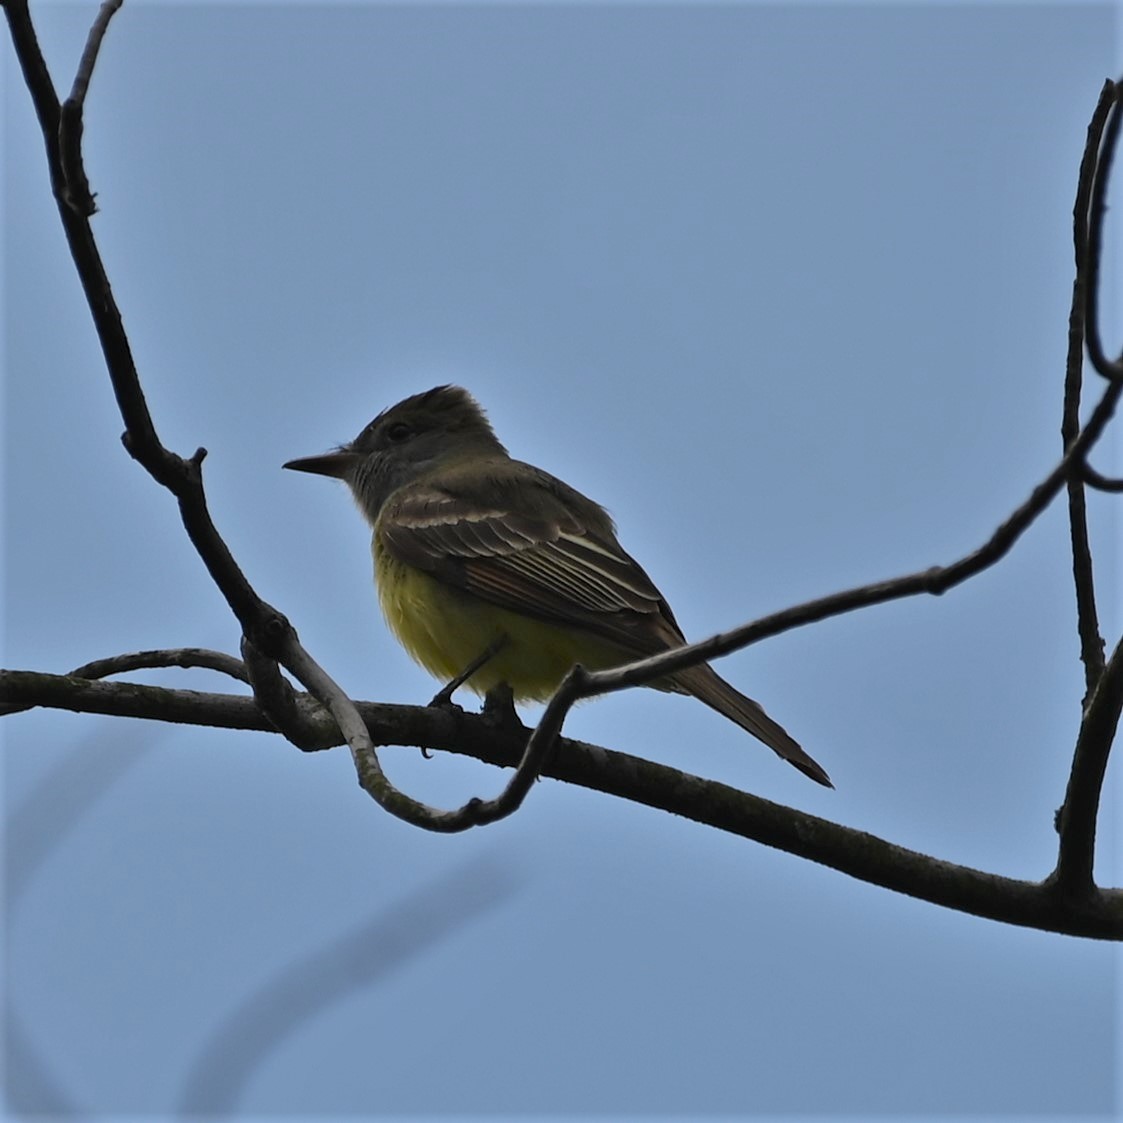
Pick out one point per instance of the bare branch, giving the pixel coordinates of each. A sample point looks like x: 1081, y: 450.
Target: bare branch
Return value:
x: 146, y: 660
x: 372, y: 778
x: 1100, y: 482
x: 89, y: 56
x: 76, y: 193
x: 934, y: 581
x: 280, y: 704
x: 1110, y: 369
x: 37, y: 78
x: 199, y: 657
x: 543, y: 741
x: 1087, y: 622
x: 863, y: 856
x: 26, y: 689
x: 1076, y: 819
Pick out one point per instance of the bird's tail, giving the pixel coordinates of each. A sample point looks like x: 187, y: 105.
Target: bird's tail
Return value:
x: 708, y: 686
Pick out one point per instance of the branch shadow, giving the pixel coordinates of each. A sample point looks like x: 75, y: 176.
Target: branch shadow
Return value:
x: 364, y: 956
x: 38, y: 825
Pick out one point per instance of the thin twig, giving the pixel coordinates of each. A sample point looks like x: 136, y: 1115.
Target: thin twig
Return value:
x: 542, y: 741
x: 198, y: 657
x: 88, y: 60
x: 1077, y: 818
x: 76, y: 191
x: 935, y: 581
x: 1100, y: 482
x: 147, y: 660
x: 1087, y: 622
x: 1108, y: 368
x: 372, y: 778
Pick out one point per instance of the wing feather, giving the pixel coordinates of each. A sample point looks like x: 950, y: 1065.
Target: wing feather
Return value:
x: 554, y: 566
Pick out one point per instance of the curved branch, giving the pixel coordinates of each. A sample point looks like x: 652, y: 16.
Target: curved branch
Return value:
x: 935, y: 581
x: 1087, y: 622
x: 147, y: 660
x: 372, y: 778
x: 1103, y: 699
x: 861, y: 855
x: 199, y: 657
x: 25, y: 690
x: 1076, y: 819
x: 279, y: 702
x: 1110, y: 369
x: 1099, y: 481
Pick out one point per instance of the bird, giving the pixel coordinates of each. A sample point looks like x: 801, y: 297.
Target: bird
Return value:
x: 491, y: 571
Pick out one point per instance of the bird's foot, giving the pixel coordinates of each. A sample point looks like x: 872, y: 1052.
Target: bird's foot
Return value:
x: 442, y: 700
x: 499, y: 709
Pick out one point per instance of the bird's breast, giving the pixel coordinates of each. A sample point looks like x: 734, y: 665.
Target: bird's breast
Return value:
x: 445, y: 628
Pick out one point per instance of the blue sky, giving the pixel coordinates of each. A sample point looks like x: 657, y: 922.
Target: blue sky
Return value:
x: 791, y: 281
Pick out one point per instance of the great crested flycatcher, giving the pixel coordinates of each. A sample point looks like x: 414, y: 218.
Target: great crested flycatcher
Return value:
x: 489, y: 565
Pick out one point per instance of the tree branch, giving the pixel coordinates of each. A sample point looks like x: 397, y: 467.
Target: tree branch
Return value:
x: 856, y: 853
x: 145, y: 660
x: 936, y: 581
x: 1087, y: 622
x: 1076, y: 820
x: 1100, y: 482
x: 199, y: 657
x: 1110, y: 369
x: 77, y: 194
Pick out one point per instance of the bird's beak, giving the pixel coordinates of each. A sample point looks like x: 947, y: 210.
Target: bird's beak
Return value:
x: 335, y: 464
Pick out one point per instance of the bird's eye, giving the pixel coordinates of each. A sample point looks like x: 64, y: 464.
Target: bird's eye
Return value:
x: 398, y: 432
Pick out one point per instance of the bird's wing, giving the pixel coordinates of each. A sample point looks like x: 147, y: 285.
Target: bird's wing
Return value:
x: 552, y: 565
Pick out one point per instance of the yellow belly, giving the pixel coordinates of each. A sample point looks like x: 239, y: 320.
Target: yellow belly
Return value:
x: 445, y: 629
